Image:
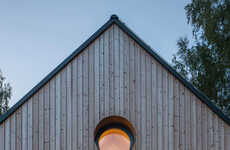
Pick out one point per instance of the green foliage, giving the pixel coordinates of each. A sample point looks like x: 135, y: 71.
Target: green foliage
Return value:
x: 5, y: 94
x: 206, y: 61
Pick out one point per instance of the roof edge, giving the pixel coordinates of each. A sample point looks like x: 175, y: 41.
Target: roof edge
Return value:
x: 112, y: 20
x: 187, y: 84
x: 45, y: 80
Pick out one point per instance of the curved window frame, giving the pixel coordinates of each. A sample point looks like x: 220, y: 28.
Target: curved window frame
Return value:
x: 115, y: 126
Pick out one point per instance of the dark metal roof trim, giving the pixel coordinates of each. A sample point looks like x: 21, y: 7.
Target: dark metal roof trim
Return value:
x: 115, y: 19
x: 56, y: 70
x: 187, y: 84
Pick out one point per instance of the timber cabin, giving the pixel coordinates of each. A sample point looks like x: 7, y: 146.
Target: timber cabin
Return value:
x: 114, y: 92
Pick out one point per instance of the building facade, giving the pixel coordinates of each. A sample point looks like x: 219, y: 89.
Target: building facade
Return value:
x: 114, y: 73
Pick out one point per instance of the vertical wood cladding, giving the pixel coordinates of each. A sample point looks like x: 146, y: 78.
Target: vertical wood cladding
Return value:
x: 114, y: 76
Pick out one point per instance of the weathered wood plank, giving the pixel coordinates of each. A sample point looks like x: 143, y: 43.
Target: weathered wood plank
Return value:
x: 41, y: 119
x: 154, y: 102
x: 86, y: 99
x: 30, y: 124
x: 101, y: 77
x: 121, y: 71
x: 19, y: 129
x: 176, y: 114
x: 96, y: 90
x: 92, y: 98
x: 182, y: 117
x: 52, y: 116
x: 80, y: 101
x: 58, y: 112
x: 226, y: 137
x: 165, y: 108
x: 143, y: 101
x: 69, y: 106
x: 7, y: 134
x: 204, y: 127
x: 199, y: 124
x: 221, y: 136
x: 74, y: 106
x: 35, y: 122
x: 132, y: 82
x: 111, y: 71
x: 210, y: 130
x: 96, y: 81
x: 2, y: 136
x: 216, y: 132
x: 24, y: 127
x: 171, y: 112
x: 193, y: 122
x: 126, y: 76
x: 138, y: 95
x: 148, y: 102
x: 13, y: 132
x: 134, y: 110
x: 106, y: 72
x: 63, y: 109
x: 47, y: 117
x: 116, y: 70
x: 187, y: 119
x: 160, y: 106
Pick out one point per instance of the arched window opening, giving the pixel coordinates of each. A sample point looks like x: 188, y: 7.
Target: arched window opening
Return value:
x: 114, y: 135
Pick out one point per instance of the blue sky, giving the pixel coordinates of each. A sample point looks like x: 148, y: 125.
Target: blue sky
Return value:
x: 36, y: 36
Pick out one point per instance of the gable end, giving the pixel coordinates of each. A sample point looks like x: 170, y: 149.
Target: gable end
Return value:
x: 115, y: 20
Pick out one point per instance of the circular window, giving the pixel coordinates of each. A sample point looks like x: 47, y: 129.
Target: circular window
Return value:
x: 114, y: 136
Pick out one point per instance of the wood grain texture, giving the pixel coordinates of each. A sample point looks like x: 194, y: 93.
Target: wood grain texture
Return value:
x: 114, y: 76
x: 92, y: 98
x: 111, y: 72
x: 30, y: 124
x: 116, y: 70
x: 126, y: 76
x: 138, y: 96
x: 85, y: 99
x: 176, y: 114
x: 154, y: 108
x: 7, y: 134
x: 143, y: 102
x: 199, y: 125
x: 74, y: 107
x: 204, y: 128
x: 41, y: 119
x: 52, y: 116
x: 171, y: 112
x: 80, y: 102
x: 47, y: 117
x: 35, y: 129
x: 101, y: 77
x: 106, y: 72
x: 121, y: 71
x: 2, y: 136
x: 18, y: 129
x: 69, y: 106
x: 58, y: 112
x: 148, y: 103
x: 13, y: 132
x: 24, y: 126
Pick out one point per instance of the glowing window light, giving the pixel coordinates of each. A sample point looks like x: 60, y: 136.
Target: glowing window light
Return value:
x: 114, y: 137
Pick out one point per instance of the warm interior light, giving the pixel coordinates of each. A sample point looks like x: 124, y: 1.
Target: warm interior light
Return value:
x: 114, y: 139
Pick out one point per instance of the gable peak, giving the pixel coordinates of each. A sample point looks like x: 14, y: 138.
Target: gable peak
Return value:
x: 114, y: 17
